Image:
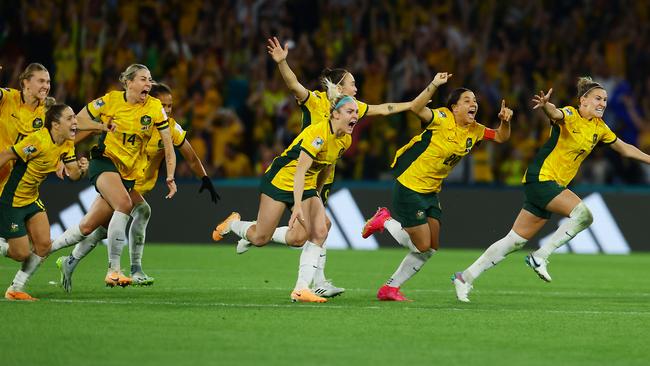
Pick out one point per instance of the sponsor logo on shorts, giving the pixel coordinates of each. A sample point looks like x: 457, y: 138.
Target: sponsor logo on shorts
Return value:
x: 13, y: 228
x: 419, y: 215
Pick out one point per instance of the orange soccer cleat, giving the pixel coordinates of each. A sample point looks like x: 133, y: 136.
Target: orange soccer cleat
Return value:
x: 306, y: 295
x: 117, y: 278
x: 18, y: 296
x: 224, y: 227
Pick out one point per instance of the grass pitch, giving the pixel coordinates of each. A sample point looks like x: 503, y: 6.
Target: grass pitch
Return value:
x: 210, y: 306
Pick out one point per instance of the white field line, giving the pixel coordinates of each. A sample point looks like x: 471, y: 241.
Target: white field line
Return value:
x: 347, y: 307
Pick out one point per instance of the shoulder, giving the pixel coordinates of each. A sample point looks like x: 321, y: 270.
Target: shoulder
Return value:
x: 569, y: 111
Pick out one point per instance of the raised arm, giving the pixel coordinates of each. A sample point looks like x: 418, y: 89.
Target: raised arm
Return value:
x: 419, y: 104
x: 630, y: 151
x: 551, y: 111
x: 505, y: 115
x: 279, y: 55
x: 387, y: 108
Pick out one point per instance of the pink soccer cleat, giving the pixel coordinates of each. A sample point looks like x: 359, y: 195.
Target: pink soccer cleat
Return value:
x: 388, y: 293
x: 376, y: 223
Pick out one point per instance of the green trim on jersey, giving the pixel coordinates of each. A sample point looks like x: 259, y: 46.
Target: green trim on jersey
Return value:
x: 535, y: 167
x: 306, y: 116
x: 282, y: 161
x: 17, y: 173
x: 101, y: 146
x: 406, y: 159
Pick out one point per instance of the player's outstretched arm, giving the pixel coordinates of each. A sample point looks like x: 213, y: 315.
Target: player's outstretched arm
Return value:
x: 170, y: 161
x: 279, y: 55
x: 542, y: 101
x: 197, y: 168
x: 419, y: 104
x: 630, y: 151
x: 505, y: 115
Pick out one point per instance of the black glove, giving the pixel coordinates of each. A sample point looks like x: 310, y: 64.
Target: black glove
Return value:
x: 206, y: 183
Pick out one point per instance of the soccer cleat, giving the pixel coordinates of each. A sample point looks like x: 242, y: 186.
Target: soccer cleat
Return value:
x: 376, y: 222
x: 388, y: 293
x: 66, y: 270
x: 117, y: 278
x: 141, y: 279
x: 243, y: 245
x: 539, y: 266
x: 13, y: 295
x: 327, y: 289
x: 224, y: 227
x: 462, y: 288
x: 306, y: 295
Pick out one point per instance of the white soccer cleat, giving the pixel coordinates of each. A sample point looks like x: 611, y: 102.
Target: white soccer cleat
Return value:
x: 539, y: 266
x: 66, y: 267
x: 243, y: 245
x: 141, y: 279
x: 462, y: 288
x: 327, y: 289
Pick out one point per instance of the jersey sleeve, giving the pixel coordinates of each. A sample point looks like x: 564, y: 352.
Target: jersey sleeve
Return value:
x: 484, y: 133
x: 178, y: 133
x: 608, y: 137
x: 570, y: 114
x: 312, y: 102
x: 437, y: 116
x: 29, y: 148
x: 97, y: 107
x: 363, y: 108
x: 5, y: 94
x: 69, y: 155
x: 161, y: 121
x: 313, y: 140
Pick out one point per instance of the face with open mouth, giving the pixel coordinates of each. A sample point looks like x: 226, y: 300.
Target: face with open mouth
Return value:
x: 38, y: 85
x: 466, y: 108
x: 68, y: 124
x: 594, y: 103
x: 140, y: 86
x: 345, y: 118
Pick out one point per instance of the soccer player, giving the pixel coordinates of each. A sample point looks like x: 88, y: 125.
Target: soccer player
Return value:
x: 294, y: 181
x: 420, y: 167
x: 141, y: 211
x: 22, y: 214
x: 574, y: 134
x: 315, y: 106
x: 118, y: 160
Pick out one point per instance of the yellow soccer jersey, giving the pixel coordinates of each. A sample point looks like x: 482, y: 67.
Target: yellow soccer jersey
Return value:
x: 38, y: 156
x: 18, y: 119
x: 133, y: 128
x: 319, y: 142
x: 155, y: 154
x: 568, y: 145
x: 316, y: 109
x: 427, y: 159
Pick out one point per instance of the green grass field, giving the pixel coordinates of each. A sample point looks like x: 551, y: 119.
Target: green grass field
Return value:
x: 211, y: 306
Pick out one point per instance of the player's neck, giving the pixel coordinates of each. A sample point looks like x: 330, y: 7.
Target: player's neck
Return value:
x: 30, y: 100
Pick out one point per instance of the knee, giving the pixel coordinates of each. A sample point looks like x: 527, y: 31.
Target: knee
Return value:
x: 260, y: 239
x: 319, y: 233
x: 297, y: 240
x: 42, y: 250
x: 142, y: 210
x: 123, y: 205
x: 582, y: 214
x: 328, y: 222
x: 19, y: 254
x: 86, y: 227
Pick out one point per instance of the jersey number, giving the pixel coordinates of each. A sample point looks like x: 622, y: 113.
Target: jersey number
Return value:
x: 19, y: 138
x: 452, y: 160
x: 130, y: 139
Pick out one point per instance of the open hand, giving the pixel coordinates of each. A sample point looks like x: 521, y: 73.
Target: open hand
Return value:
x: 276, y: 51
x: 541, y: 99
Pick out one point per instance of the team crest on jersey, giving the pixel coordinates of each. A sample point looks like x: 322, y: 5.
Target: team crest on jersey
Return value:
x: 468, y: 144
x: 145, y: 120
x: 317, y: 143
x: 28, y: 150
x: 98, y: 103
x: 37, y: 123
x: 442, y: 114
x: 419, y: 215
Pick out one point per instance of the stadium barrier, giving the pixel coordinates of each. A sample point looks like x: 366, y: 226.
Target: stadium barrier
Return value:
x: 473, y: 217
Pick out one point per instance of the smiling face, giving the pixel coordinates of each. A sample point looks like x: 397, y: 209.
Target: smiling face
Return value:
x: 138, y: 88
x: 465, y: 108
x: 348, y: 86
x: 593, y: 104
x: 67, y: 124
x: 345, y: 118
x: 38, y: 85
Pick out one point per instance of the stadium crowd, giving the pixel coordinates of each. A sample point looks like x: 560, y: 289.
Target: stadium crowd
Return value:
x: 231, y: 98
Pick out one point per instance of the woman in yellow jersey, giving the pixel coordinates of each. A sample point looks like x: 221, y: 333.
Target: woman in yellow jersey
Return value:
x: 119, y: 160
x: 315, y: 106
x: 22, y: 111
x: 574, y: 133
x: 141, y: 211
x: 420, y: 167
x: 22, y: 214
x: 294, y: 180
